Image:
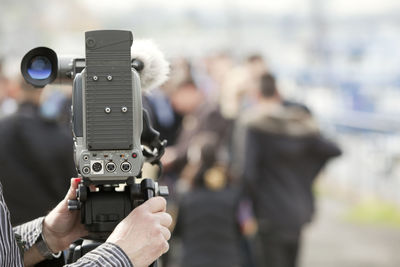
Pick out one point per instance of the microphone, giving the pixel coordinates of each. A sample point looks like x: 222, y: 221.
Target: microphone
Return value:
x: 150, y: 63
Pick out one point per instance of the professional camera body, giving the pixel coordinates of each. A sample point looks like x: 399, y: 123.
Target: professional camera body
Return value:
x: 112, y: 134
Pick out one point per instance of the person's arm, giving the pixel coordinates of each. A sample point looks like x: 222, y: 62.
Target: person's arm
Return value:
x: 30, y: 232
x: 10, y: 254
x: 252, y: 161
x: 324, y: 148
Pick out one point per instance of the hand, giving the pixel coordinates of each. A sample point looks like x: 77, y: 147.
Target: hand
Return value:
x: 62, y: 226
x: 144, y: 233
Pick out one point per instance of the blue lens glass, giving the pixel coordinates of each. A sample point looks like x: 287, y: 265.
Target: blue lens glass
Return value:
x: 39, y: 68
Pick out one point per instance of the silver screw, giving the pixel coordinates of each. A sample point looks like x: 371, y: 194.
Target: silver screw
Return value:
x: 109, y: 77
x: 107, y: 110
x: 95, y: 78
x: 124, y: 109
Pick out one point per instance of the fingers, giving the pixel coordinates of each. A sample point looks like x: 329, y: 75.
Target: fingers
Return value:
x: 155, y: 204
x: 164, y: 218
x: 165, y: 248
x: 166, y: 233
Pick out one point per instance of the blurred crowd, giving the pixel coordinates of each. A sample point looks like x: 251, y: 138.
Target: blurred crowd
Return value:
x: 240, y: 163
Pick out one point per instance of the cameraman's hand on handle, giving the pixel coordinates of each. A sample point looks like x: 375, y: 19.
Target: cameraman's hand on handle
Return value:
x: 144, y: 233
x: 61, y: 226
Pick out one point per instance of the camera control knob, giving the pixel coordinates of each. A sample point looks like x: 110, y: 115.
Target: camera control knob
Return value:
x: 163, y: 191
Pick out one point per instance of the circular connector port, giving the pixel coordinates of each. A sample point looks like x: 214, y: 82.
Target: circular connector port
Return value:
x: 97, y: 167
x: 110, y: 167
x: 86, y: 170
x: 125, y: 166
x: 85, y: 157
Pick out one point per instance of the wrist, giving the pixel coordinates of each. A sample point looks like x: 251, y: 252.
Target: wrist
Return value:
x: 43, y: 249
x: 50, y: 238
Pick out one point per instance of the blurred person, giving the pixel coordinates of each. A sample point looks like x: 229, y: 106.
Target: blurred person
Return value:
x: 239, y: 86
x: 8, y: 104
x: 36, y: 157
x: 163, y: 116
x: 207, y: 220
x: 284, y: 152
x: 198, y: 115
x: 158, y: 103
x: 137, y: 240
x: 256, y: 66
x: 217, y: 68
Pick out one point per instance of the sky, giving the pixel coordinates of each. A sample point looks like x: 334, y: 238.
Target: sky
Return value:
x: 338, y: 7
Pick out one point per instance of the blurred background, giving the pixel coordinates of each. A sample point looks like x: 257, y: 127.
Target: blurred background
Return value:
x: 339, y: 58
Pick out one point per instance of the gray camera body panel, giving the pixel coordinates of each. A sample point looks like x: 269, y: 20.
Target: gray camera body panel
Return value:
x: 86, y: 158
x: 108, y: 87
x: 107, y: 115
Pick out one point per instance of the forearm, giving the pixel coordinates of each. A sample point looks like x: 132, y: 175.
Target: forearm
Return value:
x: 104, y: 255
x: 29, y: 232
x: 107, y: 254
x: 32, y: 256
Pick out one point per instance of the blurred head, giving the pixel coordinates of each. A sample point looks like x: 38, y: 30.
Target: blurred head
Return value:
x: 186, y: 98
x: 267, y: 86
x: 28, y: 93
x: 219, y: 65
x: 216, y: 178
x: 180, y: 72
x: 256, y: 65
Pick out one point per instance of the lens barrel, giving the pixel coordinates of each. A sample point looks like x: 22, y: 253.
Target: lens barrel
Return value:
x: 39, y: 66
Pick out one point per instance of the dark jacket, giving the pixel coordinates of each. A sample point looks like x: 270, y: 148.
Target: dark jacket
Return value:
x: 284, y: 153
x: 162, y: 116
x: 36, y: 163
x: 208, y: 225
x: 207, y: 118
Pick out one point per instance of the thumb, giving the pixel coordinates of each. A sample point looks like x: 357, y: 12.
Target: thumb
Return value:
x: 72, y: 189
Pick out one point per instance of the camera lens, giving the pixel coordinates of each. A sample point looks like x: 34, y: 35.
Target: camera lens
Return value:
x: 126, y: 166
x: 39, y: 68
x: 97, y: 167
x: 110, y: 166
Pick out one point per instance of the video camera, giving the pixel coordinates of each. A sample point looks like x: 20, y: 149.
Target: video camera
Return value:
x: 113, y: 136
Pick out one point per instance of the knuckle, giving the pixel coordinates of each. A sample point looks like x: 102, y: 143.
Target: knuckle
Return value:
x: 163, y: 247
x: 157, y: 231
x: 163, y: 201
x: 168, y: 234
x: 138, y: 211
x: 159, y: 201
x: 148, y: 218
x: 169, y: 219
